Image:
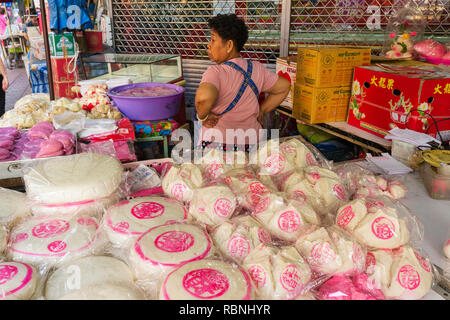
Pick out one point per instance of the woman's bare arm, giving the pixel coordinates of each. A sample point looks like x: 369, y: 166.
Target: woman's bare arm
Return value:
x: 277, y: 93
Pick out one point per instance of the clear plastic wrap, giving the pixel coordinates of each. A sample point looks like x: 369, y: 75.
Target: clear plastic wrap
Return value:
x: 430, y: 48
x: 160, y: 250
x: 207, y: 279
x: 405, y: 28
x: 361, y: 182
x: 71, y: 179
x: 235, y: 239
x: 27, y: 111
x: 3, y: 240
x: 215, y: 163
x: 321, y: 188
x: 106, y: 291
x: 285, y: 219
x: 380, y: 223
x: 446, y: 248
x: 93, y: 208
x: 278, y: 273
x: 53, y: 240
x: 249, y: 190
x: 330, y: 251
x: 14, y: 207
x: 90, y: 277
x: 18, y: 281
x: 275, y: 157
x: 143, y: 177
x: 181, y: 180
x: 404, y: 273
x: 213, y: 204
x: 127, y: 220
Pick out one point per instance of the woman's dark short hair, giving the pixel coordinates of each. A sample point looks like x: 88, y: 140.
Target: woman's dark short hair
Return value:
x: 230, y: 27
x: 2, y: 10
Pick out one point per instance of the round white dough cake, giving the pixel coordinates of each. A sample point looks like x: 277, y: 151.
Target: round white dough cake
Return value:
x: 14, y: 206
x: 18, y: 281
x: 128, y: 219
x: 53, y: 240
x: 181, y: 181
x: 278, y: 273
x: 213, y: 204
x: 90, y: 207
x: 85, y: 272
x: 105, y: 291
x: 401, y: 274
x: 237, y: 238
x: 74, y: 178
x: 376, y: 227
x: 162, y: 248
x: 207, y: 280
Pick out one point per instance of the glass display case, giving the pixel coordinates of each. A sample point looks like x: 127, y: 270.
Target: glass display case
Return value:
x: 162, y: 68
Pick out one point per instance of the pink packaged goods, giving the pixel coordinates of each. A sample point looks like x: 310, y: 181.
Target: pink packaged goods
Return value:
x: 349, y: 288
x: 41, y: 141
x: 156, y: 91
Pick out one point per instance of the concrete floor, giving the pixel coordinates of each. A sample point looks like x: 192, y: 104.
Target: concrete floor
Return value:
x: 19, y: 86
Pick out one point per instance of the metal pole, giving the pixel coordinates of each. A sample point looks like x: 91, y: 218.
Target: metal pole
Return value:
x: 47, y: 49
x: 285, y: 26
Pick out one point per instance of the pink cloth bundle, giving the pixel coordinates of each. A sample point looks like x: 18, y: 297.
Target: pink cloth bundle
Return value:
x: 349, y: 288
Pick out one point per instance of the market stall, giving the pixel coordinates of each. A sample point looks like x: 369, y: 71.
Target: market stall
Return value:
x: 280, y: 222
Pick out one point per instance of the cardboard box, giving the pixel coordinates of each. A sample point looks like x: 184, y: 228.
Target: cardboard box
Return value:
x: 64, y: 89
x: 329, y: 66
x: 319, y: 105
x: 61, y: 68
x: 382, y: 97
x: 61, y: 45
x: 287, y: 67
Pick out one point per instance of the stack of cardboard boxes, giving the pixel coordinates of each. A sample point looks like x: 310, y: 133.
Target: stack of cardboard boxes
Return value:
x: 64, y: 68
x: 323, y: 81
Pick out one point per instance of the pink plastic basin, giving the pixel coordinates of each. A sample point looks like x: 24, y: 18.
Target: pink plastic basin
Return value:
x: 147, y: 108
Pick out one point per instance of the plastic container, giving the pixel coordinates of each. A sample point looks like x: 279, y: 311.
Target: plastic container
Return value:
x: 402, y: 151
x: 147, y: 108
x: 436, y: 183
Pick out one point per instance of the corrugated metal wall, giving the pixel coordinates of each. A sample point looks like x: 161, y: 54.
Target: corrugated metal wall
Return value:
x: 180, y: 26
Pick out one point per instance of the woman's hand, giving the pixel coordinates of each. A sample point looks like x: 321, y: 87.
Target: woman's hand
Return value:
x: 211, y: 121
x: 5, y: 84
x: 261, y: 117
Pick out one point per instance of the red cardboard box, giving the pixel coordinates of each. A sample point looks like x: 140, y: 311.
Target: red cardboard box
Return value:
x: 383, y: 95
x: 61, y: 68
x: 64, y: 89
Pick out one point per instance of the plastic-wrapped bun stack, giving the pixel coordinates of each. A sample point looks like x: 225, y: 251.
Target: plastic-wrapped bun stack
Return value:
x: 85, y: 182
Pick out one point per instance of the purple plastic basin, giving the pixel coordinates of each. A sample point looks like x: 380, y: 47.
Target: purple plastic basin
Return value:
x: 147, y: 108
